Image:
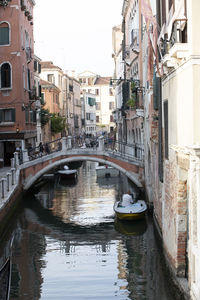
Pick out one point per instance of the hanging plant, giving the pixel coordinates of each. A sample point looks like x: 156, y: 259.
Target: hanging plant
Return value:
x: 45, y: 116
x: 133, y: 87
x: 130, y: 103
x: 58, y: 123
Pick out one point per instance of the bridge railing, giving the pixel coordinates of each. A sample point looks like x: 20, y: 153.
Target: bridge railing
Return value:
x: 45, y: 149
x: 130, y: 151
x: 116, y: 148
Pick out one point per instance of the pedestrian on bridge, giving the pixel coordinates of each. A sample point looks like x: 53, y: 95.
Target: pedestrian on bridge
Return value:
x: 41, y: 148
x: 47, y: 149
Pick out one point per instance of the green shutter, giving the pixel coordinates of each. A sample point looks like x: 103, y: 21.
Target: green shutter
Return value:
x: 1, y: 115
x: 156, y: 90
x: 4, y: 35
x: 13, y: 114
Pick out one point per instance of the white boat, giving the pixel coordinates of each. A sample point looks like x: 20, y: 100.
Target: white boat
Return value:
x: 131, y: 211
x: 67, y: 174
x: 106, y: 171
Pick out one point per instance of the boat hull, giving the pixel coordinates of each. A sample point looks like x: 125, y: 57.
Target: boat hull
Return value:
x: 103, y: 171
x: 131, y: 212
x: 68, y: 174
x: 130, y: 216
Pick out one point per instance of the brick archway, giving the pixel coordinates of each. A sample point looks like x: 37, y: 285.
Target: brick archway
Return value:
x: 33, y: 171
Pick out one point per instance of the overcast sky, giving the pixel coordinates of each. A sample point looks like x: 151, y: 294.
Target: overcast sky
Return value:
x: 77, y: 34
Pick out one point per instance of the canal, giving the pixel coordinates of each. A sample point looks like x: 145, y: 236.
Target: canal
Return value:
x: 69, y: 246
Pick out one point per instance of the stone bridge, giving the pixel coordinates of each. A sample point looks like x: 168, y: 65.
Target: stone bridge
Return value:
x: 32, y: 170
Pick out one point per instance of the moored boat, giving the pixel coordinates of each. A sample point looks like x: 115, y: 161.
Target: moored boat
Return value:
x: 64, y: 174
x: 132, y: 211
x: 106, y: 171
x: 67, y: 174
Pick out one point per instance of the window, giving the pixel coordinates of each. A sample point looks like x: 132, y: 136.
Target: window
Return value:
x: 91, y: 101
x: 4, y: 34
x: 7, y: 115
x: 111, y: 91
x: 50, y: 78
x: 26, y: 115
x: 97, y: 91
x: 111, y: 105
x: 97, y: 119
x: 98, y: 106
x: 5, y: 76
x: 28, y: 79
x: 111, y: 118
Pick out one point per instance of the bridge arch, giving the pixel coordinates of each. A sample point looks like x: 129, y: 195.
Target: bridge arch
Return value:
x: 30, y: 180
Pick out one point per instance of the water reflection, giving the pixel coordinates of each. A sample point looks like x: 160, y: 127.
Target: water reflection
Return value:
x: 68, y: 245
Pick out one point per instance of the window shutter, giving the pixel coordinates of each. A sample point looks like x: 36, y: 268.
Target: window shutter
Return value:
x: 1, y: 115
x: 39, y: 68
x: 13, y: 114
x: 160, y: 141
x: 4, y: 35
x: 34, y: 116
x: 166, y: 128
x: 125, y: 91
x: 156, y: 90
x: 35, y: 65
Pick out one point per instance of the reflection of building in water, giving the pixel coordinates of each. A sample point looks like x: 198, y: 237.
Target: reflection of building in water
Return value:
x: 27, y: 263
x: 122, y: 261
x: 46, y: 195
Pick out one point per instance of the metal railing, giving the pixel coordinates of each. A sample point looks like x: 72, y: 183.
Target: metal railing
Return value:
x: 115, y: 148
x: 45, y: 149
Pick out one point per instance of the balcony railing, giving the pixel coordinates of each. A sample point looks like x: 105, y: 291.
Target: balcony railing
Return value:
x: 4, y: 3
x: 178, y: 40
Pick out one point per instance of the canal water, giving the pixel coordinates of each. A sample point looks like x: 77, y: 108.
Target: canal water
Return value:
x: 69, y: 246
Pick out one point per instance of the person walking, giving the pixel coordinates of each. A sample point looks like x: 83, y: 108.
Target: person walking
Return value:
x: 41, y: 148
x: 47, y: 150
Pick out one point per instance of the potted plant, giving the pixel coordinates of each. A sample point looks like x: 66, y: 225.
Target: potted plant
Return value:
x: 131, y: 103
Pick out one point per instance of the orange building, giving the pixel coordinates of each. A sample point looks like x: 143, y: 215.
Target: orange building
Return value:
x: 50, y: 100
x: 17, y: 91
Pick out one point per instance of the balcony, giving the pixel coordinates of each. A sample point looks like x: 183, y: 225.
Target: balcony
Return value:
x: 176, y: 48
x: 4, y: 3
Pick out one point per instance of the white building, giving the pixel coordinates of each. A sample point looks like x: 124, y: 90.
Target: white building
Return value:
x: 105, y: 99
x: 37, y: 71
x: 89, y: 114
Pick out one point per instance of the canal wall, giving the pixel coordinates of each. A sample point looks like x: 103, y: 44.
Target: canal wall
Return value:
x: 11, y: 192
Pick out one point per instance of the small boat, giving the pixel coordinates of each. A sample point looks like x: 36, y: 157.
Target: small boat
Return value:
x: 5, y: 279
x: 130, y: 212
x: 67, y: 174
x: 48, y: 177
x: 106, y: 171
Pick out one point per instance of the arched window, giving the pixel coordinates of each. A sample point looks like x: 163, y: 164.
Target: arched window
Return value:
x: 5, y: 76
x: 4, y: 33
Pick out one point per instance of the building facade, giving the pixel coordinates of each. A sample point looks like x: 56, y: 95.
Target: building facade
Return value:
x: 89, y: 114
x: 17, y: 91
x: 105, y: 99
x: 160, y: 49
